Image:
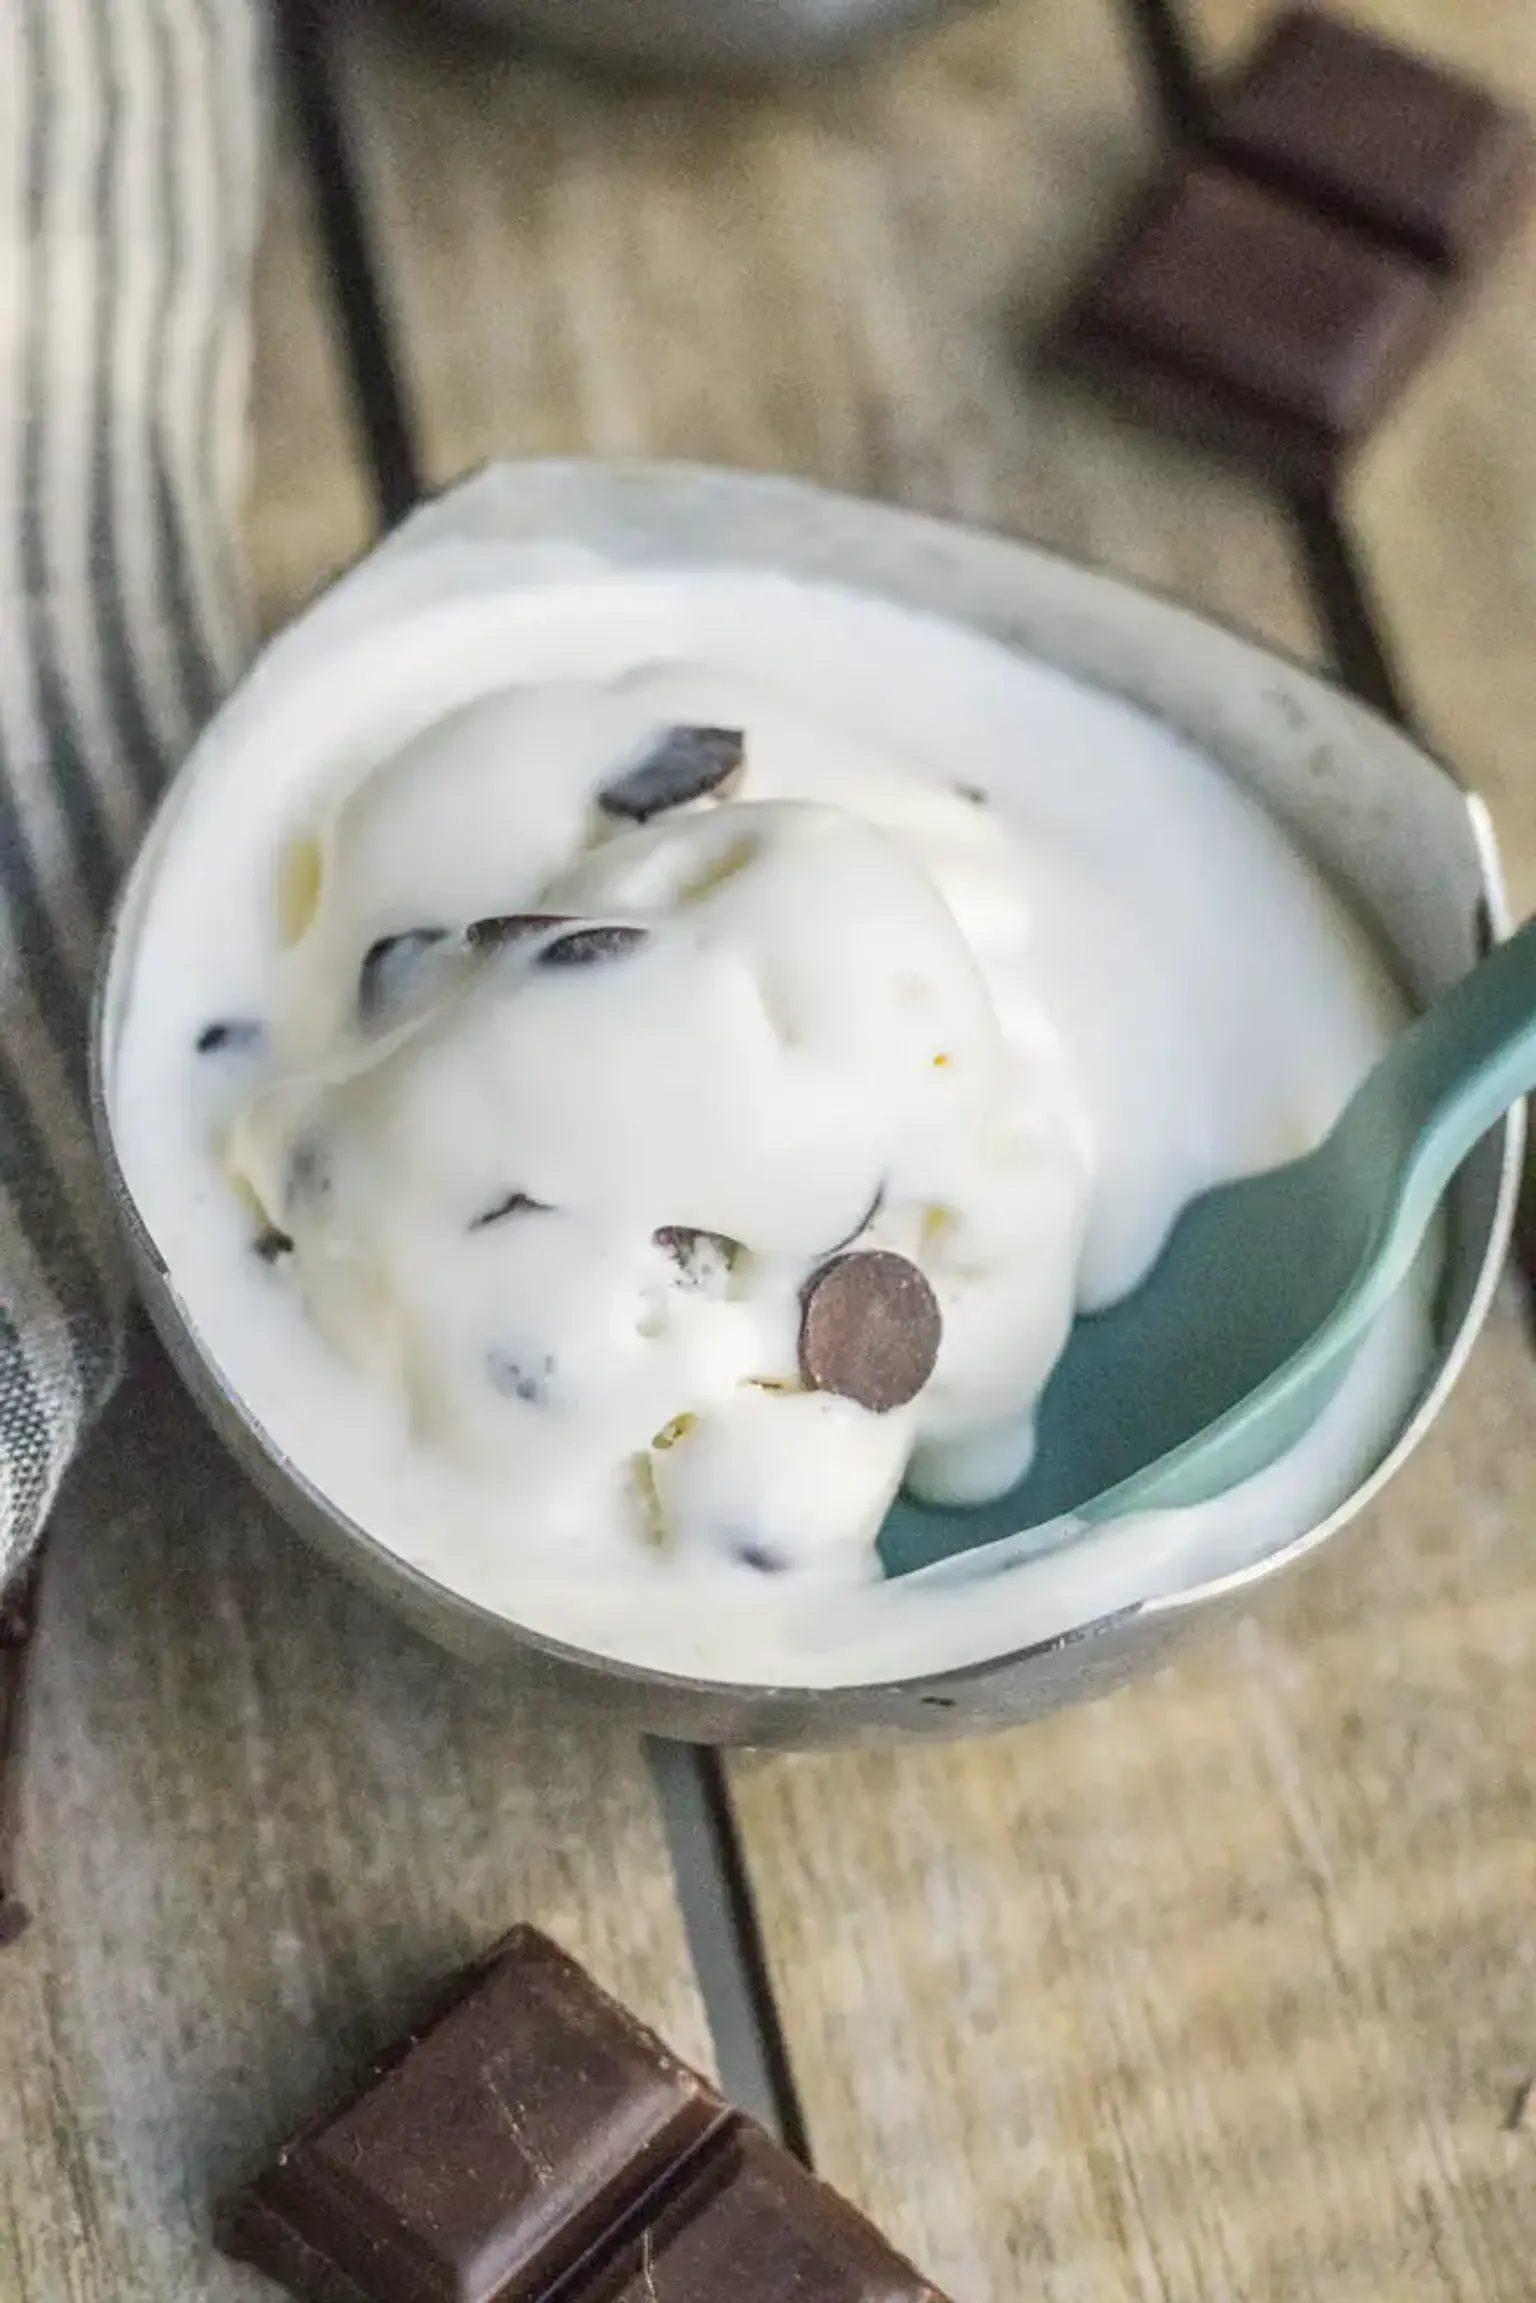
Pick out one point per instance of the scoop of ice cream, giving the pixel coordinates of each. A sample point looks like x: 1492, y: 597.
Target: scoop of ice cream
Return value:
x: 667, y: 1146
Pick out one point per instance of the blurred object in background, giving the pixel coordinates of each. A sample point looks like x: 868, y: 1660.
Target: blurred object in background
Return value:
x: 725, y: 39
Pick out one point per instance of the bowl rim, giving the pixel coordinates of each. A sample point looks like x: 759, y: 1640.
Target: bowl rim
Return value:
x: 486, y: 1628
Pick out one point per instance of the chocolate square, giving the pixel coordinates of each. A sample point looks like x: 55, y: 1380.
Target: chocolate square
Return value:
x: 1242, y: 317
x: 488, y: 2156
x: 1378, y: 137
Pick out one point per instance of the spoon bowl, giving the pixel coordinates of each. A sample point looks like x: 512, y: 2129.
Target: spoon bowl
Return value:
x: 1249, y: 1321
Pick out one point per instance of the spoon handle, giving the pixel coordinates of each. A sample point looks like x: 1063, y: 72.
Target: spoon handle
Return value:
x: 1449, y: 1078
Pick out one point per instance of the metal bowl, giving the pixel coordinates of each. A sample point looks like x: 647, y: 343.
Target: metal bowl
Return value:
x: 1389, y: 825
x: 713, y: 39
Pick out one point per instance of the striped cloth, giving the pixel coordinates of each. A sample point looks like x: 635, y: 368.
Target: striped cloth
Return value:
x: 128, y: 182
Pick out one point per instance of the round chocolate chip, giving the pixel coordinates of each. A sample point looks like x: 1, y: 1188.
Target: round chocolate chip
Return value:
x: 870, y: 1330
x: 590, y: 947
x: 389, y: 969
x: 510, y: 928
x: 683, y: 764
x: 234, y: 1038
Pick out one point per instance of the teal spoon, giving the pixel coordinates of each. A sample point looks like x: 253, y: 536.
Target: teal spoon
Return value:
x: 1249, y: 1321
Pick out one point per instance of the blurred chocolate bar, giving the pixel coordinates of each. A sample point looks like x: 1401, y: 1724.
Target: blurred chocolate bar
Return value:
x: 533, y: 2142
x: 1376, y: 137
x: 1272, y: 297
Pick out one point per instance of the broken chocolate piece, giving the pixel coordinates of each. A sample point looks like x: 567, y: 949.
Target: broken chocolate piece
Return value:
x: 235, y: 1038
x: 389, y: 967
x: 511, y: 928
x: 1237, y: 315
x: 1377, y: 137
x: 870, y: 1330
x: 589, y: 947
x: 702, y: 1259
x: 684, y: 764
x: 18, y: 1627
x: 531, y: 2142
x: 515, y: 1203
x: 489, y: 2157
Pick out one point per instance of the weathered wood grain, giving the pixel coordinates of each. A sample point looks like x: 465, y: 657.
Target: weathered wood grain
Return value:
x: 262, y: 1816
x: 851, y: 282
x: 310, y: 511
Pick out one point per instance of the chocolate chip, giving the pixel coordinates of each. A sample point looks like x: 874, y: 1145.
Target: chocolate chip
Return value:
x: 702, y: 1258
x: 589, y: 947
x: 870, y: 1330
x: 765, y: 1557
x: 683, y: 764
x: 511, y: 928
x: 235, y: 1038
x: 520, y: 1379
x: 389, y: 967
x: 514, y: 1203
x: 272, y: 1245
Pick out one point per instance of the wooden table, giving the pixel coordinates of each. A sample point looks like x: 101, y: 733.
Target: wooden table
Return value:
x: 1220, y: 1992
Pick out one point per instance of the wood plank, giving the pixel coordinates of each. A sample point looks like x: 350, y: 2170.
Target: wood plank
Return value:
x: 310, y: 509
x: 849, y: 282
x: 263, y: 1816
x: 1445, y: 500
x: 1223, y: 1989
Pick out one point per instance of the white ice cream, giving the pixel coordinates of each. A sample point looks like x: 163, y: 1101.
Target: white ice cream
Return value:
x: 973, y: 965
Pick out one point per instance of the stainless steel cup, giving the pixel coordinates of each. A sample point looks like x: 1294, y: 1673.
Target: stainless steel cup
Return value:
x: 1393, y: 829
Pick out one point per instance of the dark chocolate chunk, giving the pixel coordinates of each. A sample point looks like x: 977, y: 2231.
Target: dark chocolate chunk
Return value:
x: 684, y: 764
x: 765, y: 1558
x: 870, y: 1330
x: 18, y: 1627
x: 271, y: 1245
x: 389, y: 968
x: 589, y: 947
x: 701, y: 1259
x: 234, y: 1038
x: 532, y: 2143
x: 1240, y: 316
x: 490, y: 2157
x: 514, y: 1203
x: 755, y: 2227
x: 1378, y: 137
x: 511, y: 928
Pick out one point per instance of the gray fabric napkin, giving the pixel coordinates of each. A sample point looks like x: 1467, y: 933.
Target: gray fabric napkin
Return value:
x: 128, y: 197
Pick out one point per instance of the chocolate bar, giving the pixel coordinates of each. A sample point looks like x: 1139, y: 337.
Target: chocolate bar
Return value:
x: 1235, y: 314
x: 1377, y: 138
x: 533, y: 2143
x: 1273, y: 296
x: 18, y: 1620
